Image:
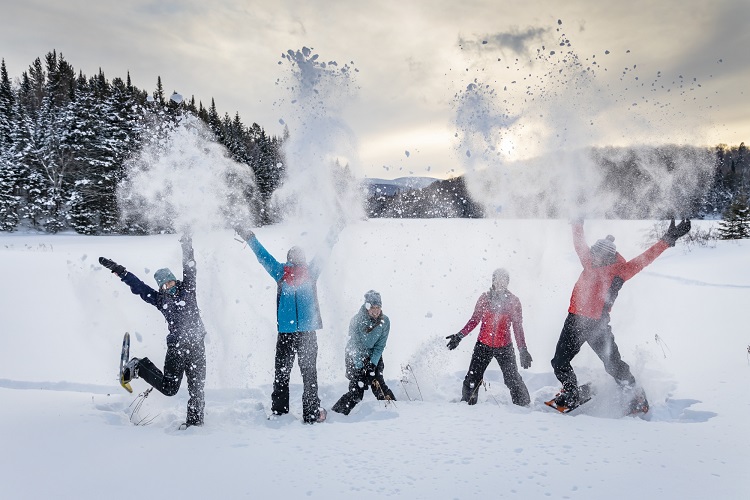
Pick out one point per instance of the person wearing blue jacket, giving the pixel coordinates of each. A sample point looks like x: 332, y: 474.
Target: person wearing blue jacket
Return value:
x: 298, y: 317
x: 368, y: 335
x: 186, y: 353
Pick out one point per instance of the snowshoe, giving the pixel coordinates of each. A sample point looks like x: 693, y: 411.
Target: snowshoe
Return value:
x: 185, y: 425
x: 125, y: 378
x: 567, y: 401
x: 637, y: 403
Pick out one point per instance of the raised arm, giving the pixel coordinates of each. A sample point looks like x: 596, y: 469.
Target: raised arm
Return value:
x: 141, y: 289
x: 579, y: 243
x: 317, y: 264
x: 189, y: 271
x: 271, y: 265
x: 137, y: 286
x: 636, y: 265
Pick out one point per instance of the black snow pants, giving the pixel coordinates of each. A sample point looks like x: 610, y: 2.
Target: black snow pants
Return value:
x: 305, y: 346
x: 358, y: 383
x: 506, y: 358
x: 187, y: 358
x: 598, y: 333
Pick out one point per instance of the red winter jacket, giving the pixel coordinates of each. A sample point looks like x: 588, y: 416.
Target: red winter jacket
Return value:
x: 593, y: 293
x: 497, y: 312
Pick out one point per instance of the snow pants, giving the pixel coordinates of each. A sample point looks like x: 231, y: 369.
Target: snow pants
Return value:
x: 304, y: 345
x: 506, y: 358
x: 187, y: 358
x: 358, y: 384
x: 578, y: 330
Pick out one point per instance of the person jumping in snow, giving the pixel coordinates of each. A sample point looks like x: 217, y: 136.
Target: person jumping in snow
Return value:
x: 298, y: 317
x: 363, y: 358
x: 186, y: 352
x: 497, y: 309
x: 604, y: 273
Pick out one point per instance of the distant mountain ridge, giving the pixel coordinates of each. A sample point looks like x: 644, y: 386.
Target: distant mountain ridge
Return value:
x: 402, y: 198
x: 390, y: 187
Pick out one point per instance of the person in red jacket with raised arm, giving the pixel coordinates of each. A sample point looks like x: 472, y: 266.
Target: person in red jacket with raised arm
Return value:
x: 604, y: 273
x: 498, y: 309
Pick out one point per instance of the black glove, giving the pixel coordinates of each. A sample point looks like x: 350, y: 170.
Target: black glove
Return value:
x: 525, y: 358
x: 245, y: 234
x: 371, y: 371
x: 113, y: 266
x: 455, y: 339
x: 676, y: 232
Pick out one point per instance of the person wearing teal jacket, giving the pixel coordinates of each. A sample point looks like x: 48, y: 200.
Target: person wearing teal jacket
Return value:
x: 297, y: 316
x: 368, y: 335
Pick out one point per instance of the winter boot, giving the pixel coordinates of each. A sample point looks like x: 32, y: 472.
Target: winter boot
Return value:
x: 130, y: 370
x: 636, y: 401
x: 316, y: 418
x: 341, y: 406
x: 568, y: 397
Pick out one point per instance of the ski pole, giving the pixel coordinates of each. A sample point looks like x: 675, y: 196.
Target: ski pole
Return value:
x: 408, y: 367
x: 387, y: 399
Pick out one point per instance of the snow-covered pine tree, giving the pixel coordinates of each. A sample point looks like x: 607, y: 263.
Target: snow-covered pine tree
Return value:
x: 735, y: 223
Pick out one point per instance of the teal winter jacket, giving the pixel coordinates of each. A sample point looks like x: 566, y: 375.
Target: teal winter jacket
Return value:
x: 367, y: 338
x: 297, y: 308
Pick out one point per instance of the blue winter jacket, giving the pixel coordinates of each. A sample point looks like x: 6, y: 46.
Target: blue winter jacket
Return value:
x: 367, y: 338
x: 297, y: 308
x: 181, y: 309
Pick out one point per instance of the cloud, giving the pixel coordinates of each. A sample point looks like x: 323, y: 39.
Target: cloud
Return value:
x: 514, y: 40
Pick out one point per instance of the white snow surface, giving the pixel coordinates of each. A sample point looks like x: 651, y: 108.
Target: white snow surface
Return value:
x: 65, y: 423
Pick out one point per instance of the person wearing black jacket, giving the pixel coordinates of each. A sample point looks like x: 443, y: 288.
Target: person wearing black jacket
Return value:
x: 186, y: 353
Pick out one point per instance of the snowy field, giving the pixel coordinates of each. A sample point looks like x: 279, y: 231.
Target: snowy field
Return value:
x: 66, y: 425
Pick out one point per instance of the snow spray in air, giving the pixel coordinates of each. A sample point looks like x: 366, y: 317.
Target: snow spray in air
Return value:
x: 182, y: 178
x: 543, y: 134
x: 318, y: 190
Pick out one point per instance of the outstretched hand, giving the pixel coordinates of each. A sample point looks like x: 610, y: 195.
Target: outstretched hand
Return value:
x: 113, y: 266
x: 245, y: 234
x: 454, y: 340
x: 674, y: 232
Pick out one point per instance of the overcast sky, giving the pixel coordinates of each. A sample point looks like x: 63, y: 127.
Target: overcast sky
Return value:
x: 413, y: 57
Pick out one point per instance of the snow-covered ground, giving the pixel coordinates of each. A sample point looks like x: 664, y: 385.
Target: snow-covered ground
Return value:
x: 65, y: 423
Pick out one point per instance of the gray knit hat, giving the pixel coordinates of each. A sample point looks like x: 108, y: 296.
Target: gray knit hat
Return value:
x: 372, y: 298
x: 605, y: 248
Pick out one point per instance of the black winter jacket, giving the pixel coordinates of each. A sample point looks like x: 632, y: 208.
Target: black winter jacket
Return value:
x: 181, y: 309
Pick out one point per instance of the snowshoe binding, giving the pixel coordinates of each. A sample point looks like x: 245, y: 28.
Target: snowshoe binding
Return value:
x: 566, y: 401
x: 637, y: 402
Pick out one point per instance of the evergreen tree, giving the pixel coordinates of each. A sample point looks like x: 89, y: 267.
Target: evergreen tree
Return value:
x: 159, y: 92
x: 735, y: 223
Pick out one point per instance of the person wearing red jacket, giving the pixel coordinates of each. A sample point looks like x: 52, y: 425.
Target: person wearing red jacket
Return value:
x: 604, y: 273
x: 497, y: 309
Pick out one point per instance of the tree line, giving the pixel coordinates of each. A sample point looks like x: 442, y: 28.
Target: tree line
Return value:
x: 65, y: 139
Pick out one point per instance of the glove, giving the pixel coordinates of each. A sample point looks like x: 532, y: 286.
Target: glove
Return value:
x: 676, y: 232
x: 113, y: 266
x: 525, y: 358
x: 245, y: 234
x: 371, y: 371
x: 455, y: 339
